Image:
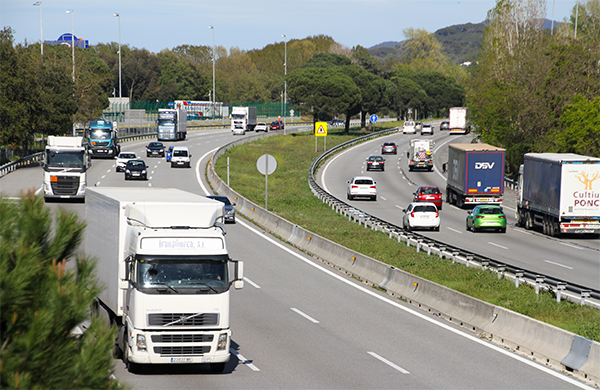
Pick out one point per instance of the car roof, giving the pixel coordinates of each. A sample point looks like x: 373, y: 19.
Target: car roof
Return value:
x: 389, y: 143
x: 428, y: 187
x: 422, y: 204
x: 362, y: 177
x: 181, y: 148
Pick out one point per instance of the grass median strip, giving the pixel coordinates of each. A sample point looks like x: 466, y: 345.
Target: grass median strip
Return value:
x: 291, y: 198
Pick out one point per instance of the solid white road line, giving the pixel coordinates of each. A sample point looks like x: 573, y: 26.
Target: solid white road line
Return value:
x: 243, y: 360
x: 394, y: 366
x: 499, y: 246
x: 560, y: 265
x: 454, y: 230
x: 251, y: 283
x: 305, y: 315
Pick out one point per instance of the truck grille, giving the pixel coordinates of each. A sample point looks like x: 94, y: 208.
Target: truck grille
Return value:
x: 101, y: 144
x: 164, y: 351
x: 65, y: 185
x: 182, y: 338
x: 177, y: 319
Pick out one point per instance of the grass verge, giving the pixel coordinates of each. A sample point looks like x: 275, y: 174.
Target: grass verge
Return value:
x: 291, y: 198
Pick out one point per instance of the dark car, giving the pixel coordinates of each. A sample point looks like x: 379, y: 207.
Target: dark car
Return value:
x: 229, y: 210
x: 276, y: 125
x: 136, y: 169
x: 445, y: 125
x: 155, y: 149
x: 389, y: 148
x: 337, y: 122
x: 430, y: 194
x: 375, y: 162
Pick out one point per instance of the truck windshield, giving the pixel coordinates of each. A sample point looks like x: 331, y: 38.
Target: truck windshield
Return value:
x: 65, y: 159
x: 238, y: 116
x: 166, y: 122
x: 209, y: 275
x: 100, y: 134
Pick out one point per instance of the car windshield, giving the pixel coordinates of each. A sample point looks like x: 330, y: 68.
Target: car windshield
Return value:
x: 425, y: 209
x: 430, y: 191
x: 155, y: 145
x: 136, y: 163
x: 180, y: 153
x: 363, y: 181
x: 377, y: 158
x: 491, y: 211
x: 127, y: 155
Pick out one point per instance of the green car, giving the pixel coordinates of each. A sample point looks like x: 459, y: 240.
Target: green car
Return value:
x: 486, y: 217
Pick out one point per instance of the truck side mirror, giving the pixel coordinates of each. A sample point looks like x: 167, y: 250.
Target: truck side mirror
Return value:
x: 238, y: 281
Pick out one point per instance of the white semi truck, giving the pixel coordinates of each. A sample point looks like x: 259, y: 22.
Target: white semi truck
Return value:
x: 243, y: 119
x: 559, y: 192
x: 458, y: 120
x: 172, y: 124
x: 162, y: 258
x: 65, y: 167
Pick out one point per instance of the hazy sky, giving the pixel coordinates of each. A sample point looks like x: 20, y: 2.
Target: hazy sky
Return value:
x: 247, y: 24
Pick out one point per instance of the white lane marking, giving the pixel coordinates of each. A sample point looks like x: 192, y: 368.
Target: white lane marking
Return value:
x: 103, y: 176
x: 571, y: 246
x: 109, y: 170
x: 243, y: 360
x: 394, y: 366
x: 522, y: 231
x: 149, y: 184
x: 560, y: 265
x: 198, y: 178
x: 400, y: 207
x: 454, y: 230
x: 37, y: 192
x: 305, y: 315
x: 499, y: 246
x: 251, y: 283
x: 393, y: 303
x: 383, y: 198
x: 97, y: 184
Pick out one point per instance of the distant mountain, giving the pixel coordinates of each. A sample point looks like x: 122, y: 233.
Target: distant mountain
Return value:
x: 460, y: 42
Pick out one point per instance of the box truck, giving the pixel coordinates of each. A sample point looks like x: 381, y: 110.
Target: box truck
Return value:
x: 243, y: 119
x: 162, y: 258
x: 475, y: 174
x: 65, y: 167
x: 420, y: 154
x: 458, y: 120
x: 559, y: 192
x: 172, y: 124
x: 103, y: 139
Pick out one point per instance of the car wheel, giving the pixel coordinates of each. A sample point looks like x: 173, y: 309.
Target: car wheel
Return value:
x: 374, y: 198
x: 503, y: 230
x: 382, y: 169
x: 172, y: 165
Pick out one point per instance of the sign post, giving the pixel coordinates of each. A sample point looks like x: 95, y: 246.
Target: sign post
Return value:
x: 266, y: 164
x: 321, y: 131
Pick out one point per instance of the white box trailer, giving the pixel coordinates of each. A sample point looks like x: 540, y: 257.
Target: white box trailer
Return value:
x: 559, y: 192
x: 458, y: 120
x: 162, y: 258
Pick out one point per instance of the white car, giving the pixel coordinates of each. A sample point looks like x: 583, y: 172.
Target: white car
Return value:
x: 362, y: 186
x: 427, y: 129
x: 261, y: 126
x: 421, y: 215
x: 409, y: 128
x: 122, y: 159
x: 181, y: 157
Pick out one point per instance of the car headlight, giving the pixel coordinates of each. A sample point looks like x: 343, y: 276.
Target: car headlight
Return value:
x: 162, y: 150
x: 141, y: 342
x: 222, y: 344
x: 144, y: 171
x: 127, y: 171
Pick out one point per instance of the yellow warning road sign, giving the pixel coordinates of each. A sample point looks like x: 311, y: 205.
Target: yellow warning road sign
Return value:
x: 321, y: 129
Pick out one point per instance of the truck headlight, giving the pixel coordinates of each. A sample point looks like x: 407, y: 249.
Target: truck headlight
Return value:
x: 141, y: 342
x: 222, y: 344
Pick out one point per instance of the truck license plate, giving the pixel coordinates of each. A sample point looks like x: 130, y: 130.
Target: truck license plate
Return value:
x: 181, y: 360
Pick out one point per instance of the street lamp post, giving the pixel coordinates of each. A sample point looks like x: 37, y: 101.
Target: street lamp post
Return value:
x: 285, y: 80
x: 120, y: 95
x: 213, y: 61
x: 39, y: 4
x: 73, y: 38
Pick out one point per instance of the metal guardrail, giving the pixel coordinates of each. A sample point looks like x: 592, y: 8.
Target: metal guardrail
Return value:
x: 475, y: 259
x: 20, y: 163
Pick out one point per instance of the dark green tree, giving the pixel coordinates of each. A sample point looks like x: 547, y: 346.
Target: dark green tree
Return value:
x: 44, y: 302
x: 325, y: 60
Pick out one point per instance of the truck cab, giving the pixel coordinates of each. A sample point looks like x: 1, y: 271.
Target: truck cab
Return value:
x: 102, y: 139
x: 65, y: 167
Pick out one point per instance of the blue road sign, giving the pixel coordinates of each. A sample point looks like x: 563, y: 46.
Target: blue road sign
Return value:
x: 373, y: 118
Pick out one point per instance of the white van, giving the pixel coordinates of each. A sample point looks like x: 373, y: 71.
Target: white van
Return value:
x: 180, y: 157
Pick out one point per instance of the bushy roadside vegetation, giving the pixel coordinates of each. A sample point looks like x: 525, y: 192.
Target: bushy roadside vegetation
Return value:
x: 291, y: 198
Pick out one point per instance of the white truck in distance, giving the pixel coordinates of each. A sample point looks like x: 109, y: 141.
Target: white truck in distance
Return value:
x: 162, y: 258
x: 420, y: 154
x: 65, y: 168
x: 172, y: 124
x: 559, y: 192
x: 243, y: 119
x: 458, y: 120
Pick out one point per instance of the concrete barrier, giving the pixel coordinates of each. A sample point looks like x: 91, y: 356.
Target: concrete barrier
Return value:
x: 535, y: 339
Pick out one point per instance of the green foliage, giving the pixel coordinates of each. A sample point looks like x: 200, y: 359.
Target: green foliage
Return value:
x: 580, y: 128
x: 43, y: 300
x: 325, y: 60
x: 290, y: 197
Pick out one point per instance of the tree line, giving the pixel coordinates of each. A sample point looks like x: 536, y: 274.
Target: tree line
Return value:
x: 39, y: 95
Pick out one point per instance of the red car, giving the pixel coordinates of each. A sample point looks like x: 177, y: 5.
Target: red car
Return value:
x: 429, y: 194
x: 276, y: 125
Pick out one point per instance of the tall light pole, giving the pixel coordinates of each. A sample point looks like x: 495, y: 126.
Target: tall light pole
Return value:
x: 284, y: 80
x: 39, y: 4
x: 213, y: 59
x: 73, y: 38
x: 120, y: 95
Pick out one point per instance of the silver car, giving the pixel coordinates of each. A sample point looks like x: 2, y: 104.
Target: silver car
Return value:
x: 427, y: 129
x: 122, y: 159
x: 422, y: 215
